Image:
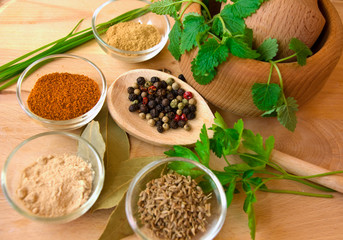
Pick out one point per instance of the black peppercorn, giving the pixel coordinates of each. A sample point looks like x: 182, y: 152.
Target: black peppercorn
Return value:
x: 154, y: 79
x: 165, y: 102
x: 133, y: 107
x: 159, y: 123
x: 173, y: 124
x: 139, y: 98
x: 192, y: 108
x: 132, y: 97
x: 158, y: 85
x: 160, y: 129
x: 174, y: 92
x: 180, y: 92
x: 164, y: 84
x: 151, y: 104
x: 171, y: 115
x: 151, y: 97
x: 182, y: 77
x: 130, y: 90
x: 170, y: 96
x: 140, y: 81
x: 159, y: 108
x: 143, y: 108
x: 161, y: 92
x: 186, y: 110
x: 190, y: 116
x: 181, y: 123
x: 167, y: 109
x: 154, y: 113
x: 159, y: 99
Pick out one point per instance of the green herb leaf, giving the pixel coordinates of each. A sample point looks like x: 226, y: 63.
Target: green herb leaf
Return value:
x: 248, y: 37
x: 244, y: 8
x: 286, y: 114
x: 175, y: 40
x: 265, y: 96
x: 268, y: 49
x: 234, y: 24
x: 248, y: 174
x: 241, y: 49
x: 256, y: 181
x: 210, y: 55
x: 186, y: 169
x: 225, y: 177
x: 217, y: 27
x: 301, y: 50
x: 202, y: 147
x: 230, y: 192
x: 219, y: 121
x: 205, y: 78
x: 193, y: 24
x: 249, y: 209
x: 165, y: 7
x: 270, y: 113
x: 180, y: 151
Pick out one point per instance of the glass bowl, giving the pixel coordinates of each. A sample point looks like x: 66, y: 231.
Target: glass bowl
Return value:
x: 154, y: 170
x: 44, y: 144
x: 60, y: 63
x: 114, y: 8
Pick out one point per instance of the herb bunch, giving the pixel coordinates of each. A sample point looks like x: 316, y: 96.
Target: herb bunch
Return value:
x: 226, y: 33
x: 249, y: 176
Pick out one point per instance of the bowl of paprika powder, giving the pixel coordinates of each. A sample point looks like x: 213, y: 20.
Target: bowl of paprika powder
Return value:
x: 62, y: 91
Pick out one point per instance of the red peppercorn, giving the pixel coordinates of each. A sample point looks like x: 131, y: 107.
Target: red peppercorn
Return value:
x: 187, y: 95
x: 151, y: 89
x: 143, y: 89
x: 177, y: 118
x: 145, y: 100
x: 183, y: 117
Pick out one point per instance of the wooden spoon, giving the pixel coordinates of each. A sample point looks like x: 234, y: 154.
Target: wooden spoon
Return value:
x: 118, y: 106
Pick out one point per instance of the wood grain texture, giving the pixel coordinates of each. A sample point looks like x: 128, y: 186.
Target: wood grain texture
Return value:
x: 118, y: 106
x: 231, y: 88
x: 318, y: 139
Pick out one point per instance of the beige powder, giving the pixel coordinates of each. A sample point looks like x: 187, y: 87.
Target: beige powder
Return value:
x: 132, y: 36
x: 56, y: 185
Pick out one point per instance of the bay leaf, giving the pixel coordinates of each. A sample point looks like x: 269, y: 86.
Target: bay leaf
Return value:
x: 102, y: 118
x: 117, y: 226
x: 92, y: 134
x: 118, y: 178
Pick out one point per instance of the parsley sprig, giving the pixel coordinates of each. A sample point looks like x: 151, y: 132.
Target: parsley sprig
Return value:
x: 250, y: 176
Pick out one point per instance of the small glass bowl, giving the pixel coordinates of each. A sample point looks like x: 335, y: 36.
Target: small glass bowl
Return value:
x: 153, y: 171
x: 114, y: 8
x: 60, y: 63
x: 44, y: 144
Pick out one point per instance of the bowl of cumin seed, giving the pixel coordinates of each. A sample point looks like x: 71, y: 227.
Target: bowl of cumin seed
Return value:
x: 183, y: 204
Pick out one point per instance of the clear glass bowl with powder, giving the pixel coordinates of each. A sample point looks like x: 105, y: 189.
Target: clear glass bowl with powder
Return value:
x: 114, y: 8
x: 30, y: 152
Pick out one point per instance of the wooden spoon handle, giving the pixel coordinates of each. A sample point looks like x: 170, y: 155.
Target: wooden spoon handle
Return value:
x: 302, y: 168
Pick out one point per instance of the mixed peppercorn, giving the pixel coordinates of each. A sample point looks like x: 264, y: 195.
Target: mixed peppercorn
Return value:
x: 162, y: 102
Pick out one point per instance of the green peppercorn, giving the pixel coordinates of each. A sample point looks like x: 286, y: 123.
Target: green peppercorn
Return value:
x: 169, y: 88
x: 179, y: 98
x: 170, y: 81
x: 144, y: 94
x: 175, y: 86
x: 137, y: 91
x: 135, y: 102
x: 148, y: 116
x: 185, y: 101
x: 135, y: 85
x: 165, y: 126
x: 180, y: 106
x: 156, y: 119
x: 141, y: 115
x: 187, y: 127
x: 173, y: 103
x: 147, y: 84
x: 165, y: 119
x: 179, y: 112
x: 151, y: 122
x: 161, y: 115
x: 192, y: 101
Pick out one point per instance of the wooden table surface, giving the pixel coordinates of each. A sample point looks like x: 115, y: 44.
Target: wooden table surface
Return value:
x: 27, y: 25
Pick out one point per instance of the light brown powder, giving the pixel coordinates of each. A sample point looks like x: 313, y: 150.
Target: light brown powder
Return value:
x: 55, y: 185
x: 132, y: 36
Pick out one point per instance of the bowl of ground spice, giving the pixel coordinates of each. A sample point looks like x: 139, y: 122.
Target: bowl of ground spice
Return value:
x: 53, y: 177
x: 136, y: 40
x: 163, y: 204
x: 62, y: 92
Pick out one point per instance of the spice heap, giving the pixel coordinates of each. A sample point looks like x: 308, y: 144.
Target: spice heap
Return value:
x: 174, y: 207
x: 55, y: 185
x: 133, y: 36
x: 163, y: 103
x: 63, y: 96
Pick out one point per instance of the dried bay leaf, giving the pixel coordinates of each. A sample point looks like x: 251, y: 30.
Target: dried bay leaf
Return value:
x: 102, y: 118
x: 117, y: 226
x: 118, y: 178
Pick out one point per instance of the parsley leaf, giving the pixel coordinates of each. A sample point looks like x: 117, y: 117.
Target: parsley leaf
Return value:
x: 180, y: 151
x: 241, y: 49
x: 193, y: 24
x: 185, y: 168
x: 202, y: 147
x: 301, y: 50
x: 210, y: 55
x: 219, y: 121
x: 255, y: 143
x: 286, y: 114
x: 230, y: 192
x: 244, y: 8
x: 175, y: 40
x: 265, y: 96
x: 249, y: 209
x: 165, y: 7
x: 268, y: 49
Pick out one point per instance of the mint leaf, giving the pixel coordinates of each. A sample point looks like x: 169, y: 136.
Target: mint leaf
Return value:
x: 202, y: 147
x: 217, y: 27
x: 241, y: 49
x: 234, y: 24
x: 184, y: 152
x: 193, y: 24
x: 210, y: 55
x: 301, y: 50
x: 248, y: 37
x: 265, y: 96
x: 268, y: 49
x: 286, y: 114
x: 270, y: 113
x: 244, y: 8
x: 202, y: 79
x: 165, y: 7
x: 175, y: 40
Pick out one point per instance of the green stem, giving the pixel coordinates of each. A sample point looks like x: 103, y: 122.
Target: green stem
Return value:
x: 183, y: 10
x: 270, y: 164
x: 297, y: 193
x: 286, y: 58
x: 228, y: 163
x: 280, y: 78
x: 224, y: 27
x: 218, y: 39
x: 313, y: 185
x: 270, y: 73
x: 204, y: 6
x: 316, y: 175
